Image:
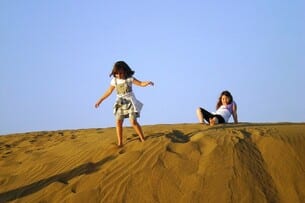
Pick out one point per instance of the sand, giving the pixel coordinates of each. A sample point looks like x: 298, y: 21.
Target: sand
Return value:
x: 247, y: 162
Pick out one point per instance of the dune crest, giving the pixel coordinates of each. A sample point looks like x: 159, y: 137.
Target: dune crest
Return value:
x: 177, y: 163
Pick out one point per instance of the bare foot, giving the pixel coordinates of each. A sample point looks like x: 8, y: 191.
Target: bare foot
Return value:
x: 212, y: 121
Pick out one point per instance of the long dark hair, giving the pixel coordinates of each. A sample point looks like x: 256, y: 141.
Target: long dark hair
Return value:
x: 122, y: 66
x: 226, y: 93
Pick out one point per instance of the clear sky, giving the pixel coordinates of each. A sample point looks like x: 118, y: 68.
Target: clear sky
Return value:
x: 56, y: 56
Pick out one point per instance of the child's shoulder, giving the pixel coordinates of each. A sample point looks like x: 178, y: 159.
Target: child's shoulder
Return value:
x: 113, y: 81
x: 130, y: 79
x: 233, y: 103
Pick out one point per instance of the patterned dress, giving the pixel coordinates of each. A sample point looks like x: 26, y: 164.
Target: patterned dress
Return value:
x: 126, y: 104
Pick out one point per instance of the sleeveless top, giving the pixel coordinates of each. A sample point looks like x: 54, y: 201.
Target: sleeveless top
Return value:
x: 226, y: 111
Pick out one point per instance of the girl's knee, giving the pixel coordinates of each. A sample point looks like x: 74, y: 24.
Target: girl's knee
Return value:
x: 133, y: 122
x: 119, y: 122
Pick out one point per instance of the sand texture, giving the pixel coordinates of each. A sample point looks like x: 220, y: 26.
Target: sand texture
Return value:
x: 247, y: 162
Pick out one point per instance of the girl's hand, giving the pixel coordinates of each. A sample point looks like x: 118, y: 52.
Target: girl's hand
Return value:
x: 106, y: 94
x: 97, y: 105
x: 151, y: 83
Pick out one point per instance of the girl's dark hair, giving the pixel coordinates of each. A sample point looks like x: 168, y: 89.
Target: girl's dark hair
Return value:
x: 226, y: 93
x: 122, y: 66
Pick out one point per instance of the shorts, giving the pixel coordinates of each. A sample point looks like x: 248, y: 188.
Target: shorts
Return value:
x: 207, y: 115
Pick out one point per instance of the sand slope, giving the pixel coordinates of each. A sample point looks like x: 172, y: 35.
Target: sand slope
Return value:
x: 177, y: 163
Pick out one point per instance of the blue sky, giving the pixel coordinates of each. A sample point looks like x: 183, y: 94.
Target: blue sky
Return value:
x: 56, y: 56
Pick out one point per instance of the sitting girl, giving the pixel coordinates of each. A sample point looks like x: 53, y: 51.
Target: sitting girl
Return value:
x: 225, y: 107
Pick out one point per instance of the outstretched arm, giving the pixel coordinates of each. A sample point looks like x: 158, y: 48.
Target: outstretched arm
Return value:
x: 106, y: 94
x: 142, y: 84
x: 235, y: 113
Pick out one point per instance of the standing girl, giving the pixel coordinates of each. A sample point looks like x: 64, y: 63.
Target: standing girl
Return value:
x: 126, y: 104
x: 225, y: 107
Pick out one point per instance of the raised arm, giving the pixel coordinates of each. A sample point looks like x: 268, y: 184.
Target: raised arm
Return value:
x: 234, y: 114
x: 142, y: 83
x: 105, y: 95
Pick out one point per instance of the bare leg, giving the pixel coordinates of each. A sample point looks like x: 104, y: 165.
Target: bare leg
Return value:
x: 200, y: 115
x: 213, y: 121
x: 137, y: 128
x: 119, y: 132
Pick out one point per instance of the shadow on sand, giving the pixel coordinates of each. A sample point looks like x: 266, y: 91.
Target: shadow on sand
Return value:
x: 86, y: 168
x: 177, y: 136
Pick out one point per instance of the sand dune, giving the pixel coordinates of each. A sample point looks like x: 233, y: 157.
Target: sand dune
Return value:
x: 247, y: 162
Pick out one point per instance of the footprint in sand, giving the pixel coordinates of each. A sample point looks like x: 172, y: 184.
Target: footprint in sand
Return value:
x: 73, y: 189
x: 134, y: 135
x: 114, y: 148
x: 8, y: 146
x: 122, y: 151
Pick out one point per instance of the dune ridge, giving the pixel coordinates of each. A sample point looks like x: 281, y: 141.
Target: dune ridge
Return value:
x: 247, y: 162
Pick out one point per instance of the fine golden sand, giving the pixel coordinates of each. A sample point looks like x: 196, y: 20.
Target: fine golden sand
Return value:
x: 247, y: 162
